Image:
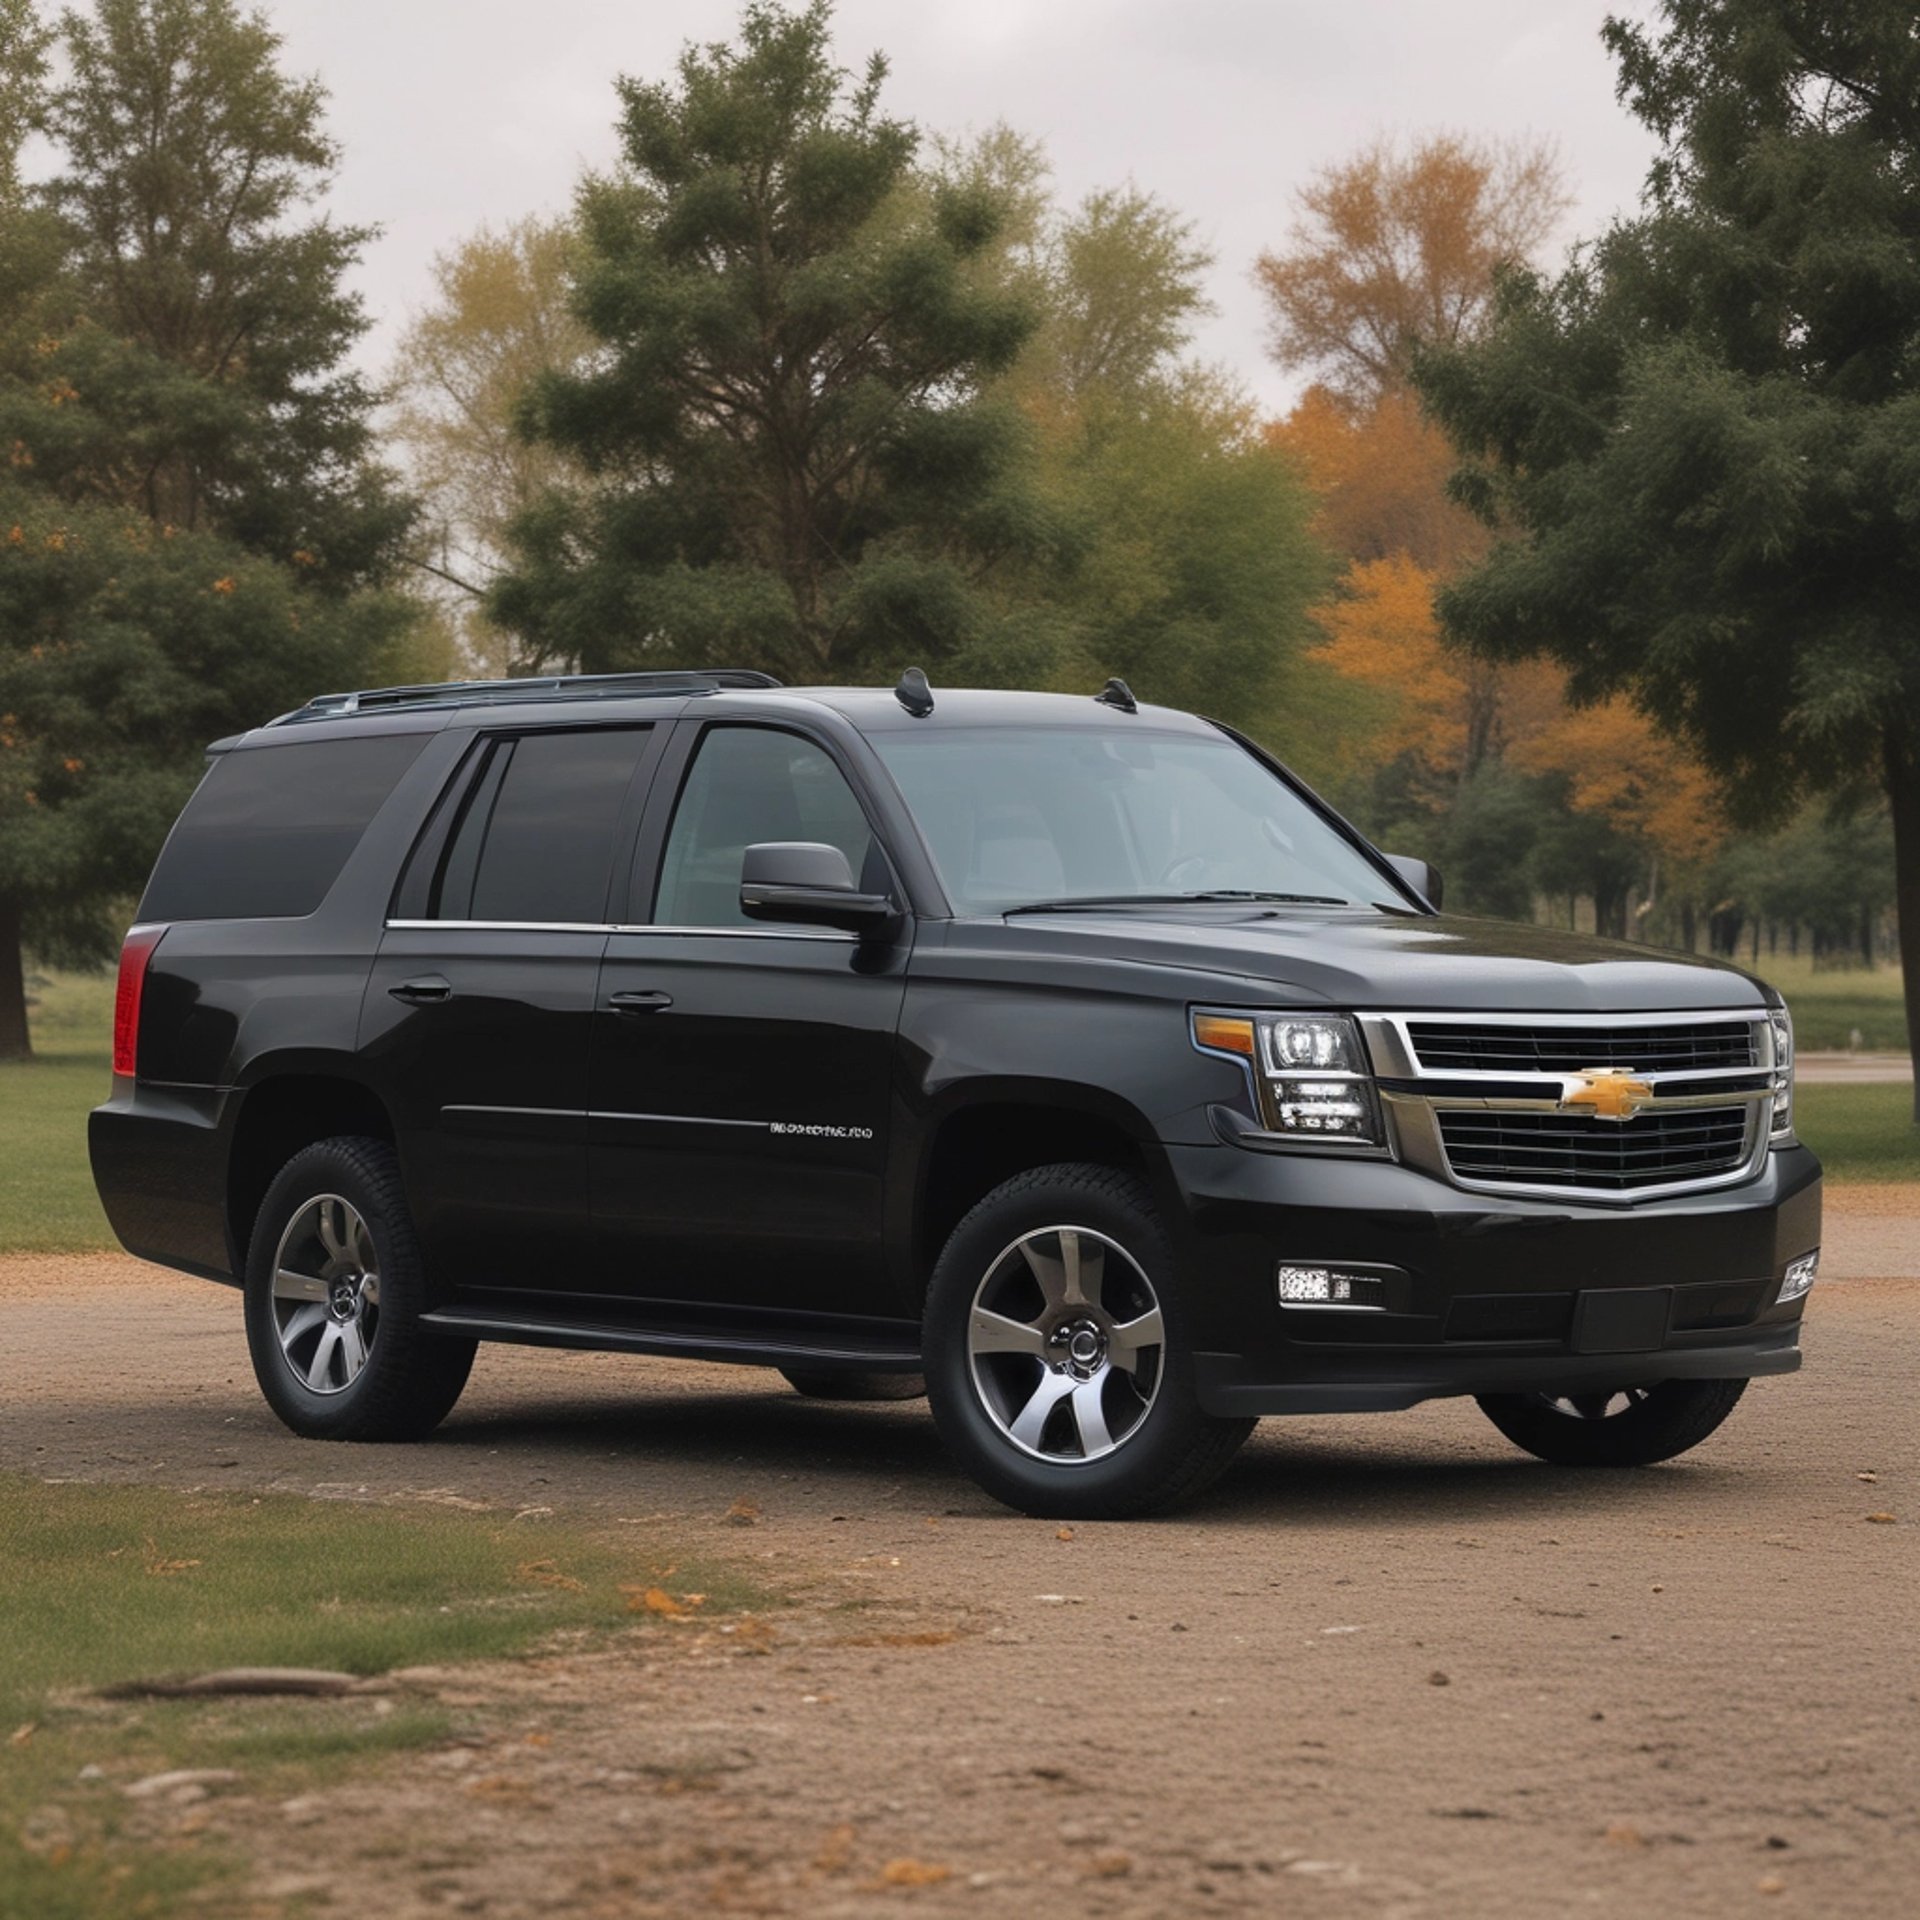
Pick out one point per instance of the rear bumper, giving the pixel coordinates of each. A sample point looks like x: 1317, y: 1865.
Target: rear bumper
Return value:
x: 1487, y: 1294
x: 159, y: 1163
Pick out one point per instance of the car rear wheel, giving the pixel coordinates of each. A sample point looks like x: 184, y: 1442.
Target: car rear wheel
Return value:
x: 1614, y: 1427
x: 335, y: 1291
x: 1057, y: 1358
x: 828, y: 1383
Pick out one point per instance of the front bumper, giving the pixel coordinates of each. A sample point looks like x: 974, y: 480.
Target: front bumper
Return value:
x: 1490, y: 1294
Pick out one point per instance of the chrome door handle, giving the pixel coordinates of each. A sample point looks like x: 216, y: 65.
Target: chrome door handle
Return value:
x: 639, y: 1002
x: 426, y: 992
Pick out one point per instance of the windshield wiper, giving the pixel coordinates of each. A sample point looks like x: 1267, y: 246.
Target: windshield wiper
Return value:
x: 1228, y: 894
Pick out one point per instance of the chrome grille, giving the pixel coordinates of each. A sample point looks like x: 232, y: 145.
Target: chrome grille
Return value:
x: 1573, y: 1150
x: 1554, y: 1046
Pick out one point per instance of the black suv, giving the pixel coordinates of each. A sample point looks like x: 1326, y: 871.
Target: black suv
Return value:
x: 1065, y: 1053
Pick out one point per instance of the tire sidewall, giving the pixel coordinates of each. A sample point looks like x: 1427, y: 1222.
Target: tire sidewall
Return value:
x: 354, y: 1170
x: 1129, y: 1479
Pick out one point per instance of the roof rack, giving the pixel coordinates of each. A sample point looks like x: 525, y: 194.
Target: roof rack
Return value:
x: 493, y: 693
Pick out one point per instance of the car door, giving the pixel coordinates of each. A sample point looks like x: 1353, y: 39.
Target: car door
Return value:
x: 478, y: 1016
x: 742, y: 1071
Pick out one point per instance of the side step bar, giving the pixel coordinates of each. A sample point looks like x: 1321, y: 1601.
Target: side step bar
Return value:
x: 859, y: 1347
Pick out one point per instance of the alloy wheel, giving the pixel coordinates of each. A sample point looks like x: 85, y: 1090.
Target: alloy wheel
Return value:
x: 1065, y: 1345
x: 326, y: 1294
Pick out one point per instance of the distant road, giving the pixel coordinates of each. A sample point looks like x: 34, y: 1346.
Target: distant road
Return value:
x: 1852, y: 1069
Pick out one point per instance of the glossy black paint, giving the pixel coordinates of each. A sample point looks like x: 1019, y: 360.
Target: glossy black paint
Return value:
x: 586, y: 1119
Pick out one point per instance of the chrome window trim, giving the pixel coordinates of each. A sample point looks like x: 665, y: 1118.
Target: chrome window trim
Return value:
x: 1412, y: 1114
x: 609, y: 926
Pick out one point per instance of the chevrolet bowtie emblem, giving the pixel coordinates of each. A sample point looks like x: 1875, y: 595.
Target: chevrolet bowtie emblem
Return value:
x: 1607, y: 1093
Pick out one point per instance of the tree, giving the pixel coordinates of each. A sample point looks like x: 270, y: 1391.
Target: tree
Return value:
x: 795, y: 465
x: 192, y: 531
x: 1399, y: 246
x: 1705, y: 434
x: 502, y: 317
x: 24, y: 40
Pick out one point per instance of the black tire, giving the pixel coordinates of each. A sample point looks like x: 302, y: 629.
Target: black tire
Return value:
x: 828, y: 1383
x: 409, y: 1377
x: 1655, y: 1423
x: 1164, y: 1449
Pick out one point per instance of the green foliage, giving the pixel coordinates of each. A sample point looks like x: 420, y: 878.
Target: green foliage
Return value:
x: 24, y: 40
x: 193, y: 533
x: 797, y: 464
x: 1704, y: 436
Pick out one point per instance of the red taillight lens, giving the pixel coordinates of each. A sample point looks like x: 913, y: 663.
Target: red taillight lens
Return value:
x: 134, y: 955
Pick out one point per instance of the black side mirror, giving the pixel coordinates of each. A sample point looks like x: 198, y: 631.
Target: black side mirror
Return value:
x: 1423, y: 879
x: 809, y: 884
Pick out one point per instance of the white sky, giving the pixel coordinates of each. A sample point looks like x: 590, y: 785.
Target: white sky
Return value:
x: 457, y: 112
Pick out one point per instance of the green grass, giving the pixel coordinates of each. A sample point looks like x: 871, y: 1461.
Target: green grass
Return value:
x: 47, y: 1201
x: 1860, y: 1133
x: 104, y: 1585
x: 1830, y: 1007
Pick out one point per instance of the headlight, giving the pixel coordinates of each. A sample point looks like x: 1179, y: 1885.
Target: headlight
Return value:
x: 1782, y: 1023
x: 1309, y: 1072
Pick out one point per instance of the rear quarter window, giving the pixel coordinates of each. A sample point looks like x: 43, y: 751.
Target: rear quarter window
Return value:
x: 268, y: 830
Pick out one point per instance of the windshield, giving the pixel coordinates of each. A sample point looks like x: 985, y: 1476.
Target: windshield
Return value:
x: 1041, y: 816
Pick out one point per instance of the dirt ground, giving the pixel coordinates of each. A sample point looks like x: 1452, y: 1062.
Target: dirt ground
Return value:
x: 1391, y: 1667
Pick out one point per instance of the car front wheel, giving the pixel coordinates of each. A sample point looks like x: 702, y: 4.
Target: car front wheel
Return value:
x: 1057, y: 1358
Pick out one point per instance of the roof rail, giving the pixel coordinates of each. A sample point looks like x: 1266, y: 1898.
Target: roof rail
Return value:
x: 493, y: 693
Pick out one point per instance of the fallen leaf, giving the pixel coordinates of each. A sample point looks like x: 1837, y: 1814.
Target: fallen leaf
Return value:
x: 743, y: 1513
x: 1880, y: 1520
x: 1624, y: 1834
x: 544, y: 1573
x: 21, y: 1735
x: 1769, y: 1883
x: 157, y: 1562
x: 659, y: 1600
x: 913, y: 1873
x: 1065, y: 1533
x: 1872, y: 1479
x: 1110, y: 1866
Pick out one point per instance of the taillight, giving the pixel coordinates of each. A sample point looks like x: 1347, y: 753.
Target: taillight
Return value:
x: 134, y: 955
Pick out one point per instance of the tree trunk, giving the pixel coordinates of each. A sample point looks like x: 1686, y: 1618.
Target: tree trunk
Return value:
x: 15, y: 1043
x: 1903, y: 795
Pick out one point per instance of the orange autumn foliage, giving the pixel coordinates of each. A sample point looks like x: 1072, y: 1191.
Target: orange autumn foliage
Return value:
x: 1380, y: 471
x: 1618, y: 765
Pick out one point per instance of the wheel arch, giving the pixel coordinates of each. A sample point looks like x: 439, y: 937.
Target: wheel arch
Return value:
x: 995, y: 1130
x: 289, y: 1105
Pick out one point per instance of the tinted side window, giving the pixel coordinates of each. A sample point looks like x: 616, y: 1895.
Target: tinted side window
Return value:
x: 269, y: 828
x: 536, y: 834
x: 751, y: 784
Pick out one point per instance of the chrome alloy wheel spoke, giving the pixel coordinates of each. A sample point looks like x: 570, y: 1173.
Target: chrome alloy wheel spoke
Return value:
x: 326, y: 1294
x: 1066, y: 1344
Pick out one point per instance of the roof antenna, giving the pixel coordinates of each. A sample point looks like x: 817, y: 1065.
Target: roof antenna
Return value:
x: 914, y: 694
x: 1116, y: 693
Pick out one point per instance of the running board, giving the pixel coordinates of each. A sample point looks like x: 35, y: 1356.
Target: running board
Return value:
x: 861, y: 1346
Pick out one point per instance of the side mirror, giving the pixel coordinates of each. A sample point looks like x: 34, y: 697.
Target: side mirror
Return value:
x: 808, y: 884
x: 1423, y: 879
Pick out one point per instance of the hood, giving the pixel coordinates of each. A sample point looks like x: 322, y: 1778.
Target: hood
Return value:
x: 1393, y: 961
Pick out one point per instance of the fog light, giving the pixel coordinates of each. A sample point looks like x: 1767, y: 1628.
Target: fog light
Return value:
x: 1799, y: 1278
x: 1330, y: 1287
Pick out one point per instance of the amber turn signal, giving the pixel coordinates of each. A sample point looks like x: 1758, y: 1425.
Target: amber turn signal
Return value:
x: 1221, y: 1035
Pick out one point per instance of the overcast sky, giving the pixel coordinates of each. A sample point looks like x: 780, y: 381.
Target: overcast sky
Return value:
x: 457, y: 112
